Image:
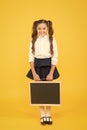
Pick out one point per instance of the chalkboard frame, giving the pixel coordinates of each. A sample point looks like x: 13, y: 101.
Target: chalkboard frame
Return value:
x: 33, y: 92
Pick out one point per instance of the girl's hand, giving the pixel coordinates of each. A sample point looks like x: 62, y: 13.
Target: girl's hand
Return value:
x: 36, y: 77
x: 49, y: 77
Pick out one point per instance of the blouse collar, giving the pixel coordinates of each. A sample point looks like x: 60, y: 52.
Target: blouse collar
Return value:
x: 43, y: 36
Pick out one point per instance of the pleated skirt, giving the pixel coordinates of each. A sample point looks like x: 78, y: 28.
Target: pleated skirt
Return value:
x: 42, y: 68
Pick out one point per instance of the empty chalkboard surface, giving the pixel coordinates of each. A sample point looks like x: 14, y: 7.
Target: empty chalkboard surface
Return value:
x: 44, y: 93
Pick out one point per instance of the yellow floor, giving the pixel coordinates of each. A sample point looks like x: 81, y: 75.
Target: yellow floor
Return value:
x: 19, y: 115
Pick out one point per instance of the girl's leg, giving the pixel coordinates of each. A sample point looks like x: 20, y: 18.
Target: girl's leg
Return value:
x: 48, y: 110
x: 48, y: 116
x: 42, y: 114
x: 42, y: 111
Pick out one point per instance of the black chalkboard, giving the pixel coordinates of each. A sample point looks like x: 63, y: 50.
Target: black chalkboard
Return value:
x: 45, y: 93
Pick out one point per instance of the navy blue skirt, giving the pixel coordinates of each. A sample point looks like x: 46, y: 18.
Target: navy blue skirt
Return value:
x: 42, y: 68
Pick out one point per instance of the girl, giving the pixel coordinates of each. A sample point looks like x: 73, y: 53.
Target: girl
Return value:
x: 43, y: 59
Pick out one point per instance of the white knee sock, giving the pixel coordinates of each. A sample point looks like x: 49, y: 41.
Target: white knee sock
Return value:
x: 42, y: 111
x: 48, y: 109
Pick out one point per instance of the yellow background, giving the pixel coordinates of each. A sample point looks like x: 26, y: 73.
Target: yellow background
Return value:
x: 69, y: 22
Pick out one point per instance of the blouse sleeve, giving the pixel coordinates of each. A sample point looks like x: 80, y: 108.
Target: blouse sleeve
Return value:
x: 55, y: 55
x: 30, y: 54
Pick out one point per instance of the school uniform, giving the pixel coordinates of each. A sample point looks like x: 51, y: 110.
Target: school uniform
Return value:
x: 42, y: 58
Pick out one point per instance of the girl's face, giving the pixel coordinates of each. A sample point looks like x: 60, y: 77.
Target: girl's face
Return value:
x: 42, y: 29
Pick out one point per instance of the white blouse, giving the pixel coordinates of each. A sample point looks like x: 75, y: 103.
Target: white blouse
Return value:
x: 42, y: 49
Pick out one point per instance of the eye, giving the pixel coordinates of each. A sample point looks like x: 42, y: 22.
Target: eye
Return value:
x: 39, y: 28
x: 44, y: 28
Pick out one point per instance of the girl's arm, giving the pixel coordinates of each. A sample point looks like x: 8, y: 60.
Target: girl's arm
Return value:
x: 54, y: 61
x: 52, y: 70
x: 32, y: 67
x: 35, y: 75
x: 50, y: 75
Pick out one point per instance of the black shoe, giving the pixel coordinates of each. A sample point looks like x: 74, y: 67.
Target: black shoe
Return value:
x: 43, y: 120
x: 49, y: 120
